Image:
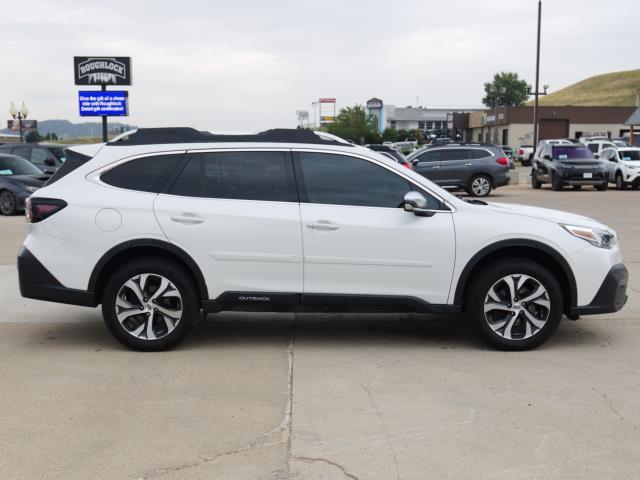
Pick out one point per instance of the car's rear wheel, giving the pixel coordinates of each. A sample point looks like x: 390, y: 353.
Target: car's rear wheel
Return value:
x: 150, y: 304
x: 516, y: 304
x: 479, y: 186
x: 8, y: 203
x: 535, y: 183
x: 556, y: 182
x: 577, y: 187
x: 620, y: 185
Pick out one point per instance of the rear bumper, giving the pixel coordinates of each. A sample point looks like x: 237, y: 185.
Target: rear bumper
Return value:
x: 501, y: 180
x: 38, y: 283
x: 611, y: 296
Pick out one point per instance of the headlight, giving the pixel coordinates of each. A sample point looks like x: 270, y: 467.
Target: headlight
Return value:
x: 31, y: 189
x: 595, y: 236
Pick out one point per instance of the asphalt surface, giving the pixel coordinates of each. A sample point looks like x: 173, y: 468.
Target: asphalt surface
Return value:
x: 279, y: 396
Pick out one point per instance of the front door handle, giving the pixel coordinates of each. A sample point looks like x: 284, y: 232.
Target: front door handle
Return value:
x: 323, y: 225
x: 436, y: 166
x: 468, y: 164
x: 187, y: 218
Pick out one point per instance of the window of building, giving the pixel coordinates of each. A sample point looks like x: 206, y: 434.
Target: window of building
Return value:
x: 260, y: 176
x: 421, y: 125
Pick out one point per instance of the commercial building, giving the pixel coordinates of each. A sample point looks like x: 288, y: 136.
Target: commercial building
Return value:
x: 514, y: 125
x: 437, y: 121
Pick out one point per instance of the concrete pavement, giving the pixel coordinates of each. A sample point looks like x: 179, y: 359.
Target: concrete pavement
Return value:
x: 279, y: 396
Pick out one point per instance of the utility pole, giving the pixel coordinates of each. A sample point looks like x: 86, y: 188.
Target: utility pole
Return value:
x: 537, y: 91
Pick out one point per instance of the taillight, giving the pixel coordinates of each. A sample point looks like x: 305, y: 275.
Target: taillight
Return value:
x: 504, y: 161
x: 407, y: 165
x: 521, y: 152
x: 37, y: 209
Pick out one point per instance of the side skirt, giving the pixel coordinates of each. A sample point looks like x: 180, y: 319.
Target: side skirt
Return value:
x: 315, y: 302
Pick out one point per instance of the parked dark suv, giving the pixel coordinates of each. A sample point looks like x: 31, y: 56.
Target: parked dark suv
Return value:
x: 573, y: 165
x: 47, y: 157
x: 476, y: 168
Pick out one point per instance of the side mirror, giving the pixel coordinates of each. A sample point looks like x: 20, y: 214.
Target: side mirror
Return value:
x: 49, y: 162
x: 416, y: 203
x: 613, y: 159
x: 415, y: 161
x: 596, y: 155
x: 547, y: 157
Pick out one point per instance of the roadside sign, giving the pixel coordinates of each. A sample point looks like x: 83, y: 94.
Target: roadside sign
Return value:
x: 96, y: 103
x: 102, y: 70
x: 26, y: 125
x: 327, y: 100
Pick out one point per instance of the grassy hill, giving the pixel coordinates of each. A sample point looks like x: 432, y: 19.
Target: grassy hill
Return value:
x: 610, y: 89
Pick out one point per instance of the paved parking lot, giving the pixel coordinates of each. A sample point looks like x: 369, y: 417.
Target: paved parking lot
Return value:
x: 278, y: 396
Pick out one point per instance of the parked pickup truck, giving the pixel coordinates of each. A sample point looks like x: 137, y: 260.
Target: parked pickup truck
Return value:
x: 525, y: 154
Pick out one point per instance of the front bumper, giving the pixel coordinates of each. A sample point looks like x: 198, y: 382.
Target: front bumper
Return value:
x: 38, y: 283
x: 576, y: 177
x: 611, y: 296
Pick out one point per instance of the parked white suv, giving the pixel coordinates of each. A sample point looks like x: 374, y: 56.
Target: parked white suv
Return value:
x: 162, y: 223
x: 623, y: 166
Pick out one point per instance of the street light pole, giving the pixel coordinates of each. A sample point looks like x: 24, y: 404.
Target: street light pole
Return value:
x: 537, y: 91
x: 19, y: 115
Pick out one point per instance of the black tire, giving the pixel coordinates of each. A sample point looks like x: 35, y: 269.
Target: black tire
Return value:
x: 556, y: 182
x: 620, y: 185
x: 577, y: 187
x: 491, y: 276
x: 188, y: 303
x: 8, y: 203
x: 479, y: 186
x: 601, y: 188
x: 535, y: 183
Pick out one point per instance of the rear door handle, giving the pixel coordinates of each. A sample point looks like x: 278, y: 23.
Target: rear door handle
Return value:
x: 436, y: 166
x: 323, y: 225
x: 187, y: 218
x: 468, y: 164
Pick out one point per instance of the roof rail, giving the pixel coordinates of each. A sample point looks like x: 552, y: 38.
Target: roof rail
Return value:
x: 149, y: 136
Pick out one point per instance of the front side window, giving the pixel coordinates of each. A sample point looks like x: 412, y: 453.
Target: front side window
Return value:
x: 593, y: 147
x: 24, y: 152
x: 38, y: 156
x: 343, y: 180
x: 262, y: 176
x: 629, y: 155
x: 147, y: 174
x: 432, y: 156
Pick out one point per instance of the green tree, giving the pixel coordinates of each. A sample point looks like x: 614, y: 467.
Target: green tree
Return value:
x: 51, y: 136
x: 515, y: 93
x: 390, y: 135
x: 353, y: 123
x: 33, y: 137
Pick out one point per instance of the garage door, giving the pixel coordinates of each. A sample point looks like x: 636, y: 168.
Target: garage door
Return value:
x: 554, y: 129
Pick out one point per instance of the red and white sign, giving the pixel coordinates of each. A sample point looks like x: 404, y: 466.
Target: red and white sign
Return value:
x: 327, y: 100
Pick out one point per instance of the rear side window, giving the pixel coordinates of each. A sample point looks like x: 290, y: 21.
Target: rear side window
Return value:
x: 147, y: 174
x: 479, y: 153
x: 263, y: 176
x: 73, y: 161
x: 455, y: 154
x: 433, y: 156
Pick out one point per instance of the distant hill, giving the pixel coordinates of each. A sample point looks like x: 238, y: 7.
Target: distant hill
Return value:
x: 611, y: 89
x: 66, y: 129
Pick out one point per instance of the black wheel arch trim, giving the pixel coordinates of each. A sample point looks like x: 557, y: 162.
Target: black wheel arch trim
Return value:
x: 503, y: 244
x: 155, y: 243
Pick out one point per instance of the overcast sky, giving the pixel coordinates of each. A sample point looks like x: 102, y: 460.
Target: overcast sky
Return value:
x: 250, y: 64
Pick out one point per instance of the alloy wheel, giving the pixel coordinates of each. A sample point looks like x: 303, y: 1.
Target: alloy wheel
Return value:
x: 517, y: 307
x: 148, y: 306
x: 7, y: 203
x: 480, y: 186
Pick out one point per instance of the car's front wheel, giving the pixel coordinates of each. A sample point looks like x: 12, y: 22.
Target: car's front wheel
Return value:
x: 516, y: 304
x: 479, y: 186
x: 8, y: 203
x: 556, y: 182
x: 535, y: 183
x: 150, y: 304
x: 620, y: 185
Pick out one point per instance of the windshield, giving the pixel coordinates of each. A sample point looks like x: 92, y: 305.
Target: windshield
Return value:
x: 17, y: 166
x: 58, y: 152
x: 629, y: 155
x: 571, y: 153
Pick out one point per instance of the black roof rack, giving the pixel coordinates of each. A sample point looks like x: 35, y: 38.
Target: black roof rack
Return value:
x: 149, y: 136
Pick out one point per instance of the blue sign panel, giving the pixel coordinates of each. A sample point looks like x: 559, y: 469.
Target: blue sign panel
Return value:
x: 96, y: 103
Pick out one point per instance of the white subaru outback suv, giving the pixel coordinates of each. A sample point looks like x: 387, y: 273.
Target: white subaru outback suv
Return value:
x: 160, y: 224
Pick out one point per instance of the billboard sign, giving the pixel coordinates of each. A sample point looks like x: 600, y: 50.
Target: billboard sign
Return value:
x: 327, y: 100
x: 102, y: 70
x: 95, y: 103
x: 26, y: 125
